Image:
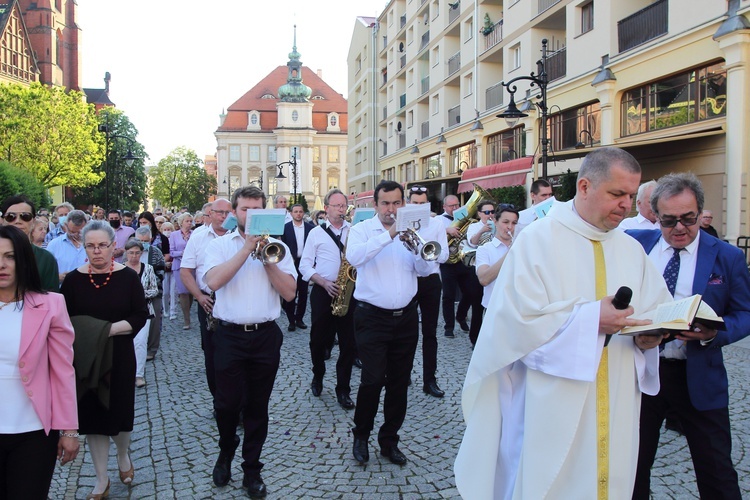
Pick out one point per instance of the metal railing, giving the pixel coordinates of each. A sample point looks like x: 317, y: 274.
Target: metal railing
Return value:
x: 401, y: 140
x: 493, y: 96
x: 385, y: 112
x: 454, y: 63
x: 546, y: 4
x: 425, y: 129
x: 403, y: 60
x: 494, y: 37
x: 402, y: 22
x: 556, y: 65
x: 401, y: 101
x: 644, y: 25
x: 425, y: 84
x: 425, y: 40
x: 454, y: 116
x: 454, y: 13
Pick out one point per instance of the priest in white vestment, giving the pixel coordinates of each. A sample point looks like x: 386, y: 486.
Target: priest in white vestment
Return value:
x: 530, y: 394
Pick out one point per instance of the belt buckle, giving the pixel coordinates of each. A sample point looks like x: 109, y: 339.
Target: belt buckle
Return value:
x: 250, y: 328
x: 398, y: 313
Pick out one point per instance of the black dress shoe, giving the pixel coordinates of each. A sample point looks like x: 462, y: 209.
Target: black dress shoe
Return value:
x: 673, y: 424
x: 449, y: 334
x: 301, y: 324
x: 345, y: 401
x: 223, y: 468
x: 394, y: 455
x: 463, y: 324
x: 358, y: 363
x: 291, y: 327
x: 360, y: 451
x: 256, y: 488
x: 316, y: 387
x: 432, y: 389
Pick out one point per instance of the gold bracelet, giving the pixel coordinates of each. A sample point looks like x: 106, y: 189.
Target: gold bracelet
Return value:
x: 69, y: 434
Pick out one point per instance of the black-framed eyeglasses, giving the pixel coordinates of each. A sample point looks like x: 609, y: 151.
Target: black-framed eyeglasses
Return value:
x: 101, y: 247
x: 418, y: 189
x: 685, y: 220
x: 11, y: 216
x: 487, y: 212
x: 506, y: 206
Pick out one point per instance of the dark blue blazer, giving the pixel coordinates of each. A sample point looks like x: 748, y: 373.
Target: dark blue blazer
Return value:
x: 291, y: 240
x: 722, y: 278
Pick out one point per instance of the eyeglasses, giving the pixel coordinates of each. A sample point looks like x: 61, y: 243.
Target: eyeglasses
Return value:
x: 455, y: 205
x: 11, y: 216
x: 418, y: 189
x: 487, y: 212
x: 90, y: 247
x: 339, y: 206
x: 686, y: 220
x: 222, y: 212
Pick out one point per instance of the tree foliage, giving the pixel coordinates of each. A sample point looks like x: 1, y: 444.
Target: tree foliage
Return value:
x: 127, y: 184
x: 515, y: 195
x: 14, y: 181
x: 180, y: 180
x: 50, y: 133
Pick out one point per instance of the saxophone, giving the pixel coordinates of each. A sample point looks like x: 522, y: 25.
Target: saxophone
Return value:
x: 345, y: 281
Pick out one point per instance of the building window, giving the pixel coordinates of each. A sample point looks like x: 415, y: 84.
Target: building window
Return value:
x: 468, y: 29
x: 571, y: 126
x: 254, y: 153
x: 333, y: 154
x: 333, y: 120
x: 435, y: 56
x: 695, y: 95
x: 271, y: 153
x: 316, y: 153
x: 431, y: 166
x: 462, y: 157
x: 295, y: 115
x: 253, y: 119
x: 515, y: 52
x: 587, y: 16
x: 234, y: 153
x: 507, y: 145
x: 435, y: 104
x: 468, y: 85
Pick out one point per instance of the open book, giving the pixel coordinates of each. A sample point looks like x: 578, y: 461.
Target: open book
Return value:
x: 677, y: 316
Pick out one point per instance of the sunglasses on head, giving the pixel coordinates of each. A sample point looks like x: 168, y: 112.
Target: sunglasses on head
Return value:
x: 506, y: 206
x: 11, y: 216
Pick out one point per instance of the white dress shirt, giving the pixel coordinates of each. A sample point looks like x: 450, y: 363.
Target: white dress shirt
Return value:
x: 249, y: 296
x: 435, y: 231
x: 487, y: 255
x: 194, y: 255
x: 386, y: 271
x: 321, y: 255
x: 660, y: 255
x: 474, y: 228
x: 445, y: 220
x: 299, y: 234
x: 638, y: 222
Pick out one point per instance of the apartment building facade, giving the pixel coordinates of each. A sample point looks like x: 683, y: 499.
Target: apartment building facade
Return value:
x: 667, y: 80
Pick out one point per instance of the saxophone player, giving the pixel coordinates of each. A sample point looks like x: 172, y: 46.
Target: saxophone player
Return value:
x: 386, y: 323
x: 320, y: 263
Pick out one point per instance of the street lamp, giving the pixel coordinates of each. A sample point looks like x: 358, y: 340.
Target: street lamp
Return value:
x: 129, y: 157
x: 580, y: 144
x: 293, y: 166
x: 512, y: 114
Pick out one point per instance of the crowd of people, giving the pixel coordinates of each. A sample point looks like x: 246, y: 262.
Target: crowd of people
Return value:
x: 542, y: 326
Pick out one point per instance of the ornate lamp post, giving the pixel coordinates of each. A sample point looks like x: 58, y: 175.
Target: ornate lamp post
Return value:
x: 293, y: 166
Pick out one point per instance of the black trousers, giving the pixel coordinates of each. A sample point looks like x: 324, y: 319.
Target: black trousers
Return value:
x: 208, y: 350
x: 245, y: 365
x: 154, y: 330
x: 458, y: 276
x: 295, y: 310
x: 707, y: 432
x: 27, y: 462
x: 386, y: 345
x: 428, y: 299
x: 322, y: 330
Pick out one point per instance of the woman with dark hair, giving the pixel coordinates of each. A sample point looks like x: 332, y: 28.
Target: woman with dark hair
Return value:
x: 105, y: 292
x: 36, y: 358
x: 146, y: 219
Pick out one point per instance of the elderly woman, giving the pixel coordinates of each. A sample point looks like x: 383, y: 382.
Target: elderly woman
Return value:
x: 133, y: 253
x: 169, y: 299
x: 146, y: 219
x: 39, y: 231
x: 36, y: 357
x: 153, y: 256
x: 177, y: 243
x: 105, y: 290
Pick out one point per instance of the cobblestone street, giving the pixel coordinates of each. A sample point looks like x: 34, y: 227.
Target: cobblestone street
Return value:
x: 308, y: 451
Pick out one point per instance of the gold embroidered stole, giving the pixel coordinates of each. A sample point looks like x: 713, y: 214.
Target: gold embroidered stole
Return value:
x: 602, y: 386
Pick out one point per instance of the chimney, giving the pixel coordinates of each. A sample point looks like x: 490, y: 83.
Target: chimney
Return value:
x: 320, y: 74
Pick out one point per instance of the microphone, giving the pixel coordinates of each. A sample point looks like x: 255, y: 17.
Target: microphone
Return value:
x: 620, y: 301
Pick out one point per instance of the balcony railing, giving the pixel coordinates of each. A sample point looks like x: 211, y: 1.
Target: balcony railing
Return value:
x: 385, y: 77
x: 453, y: 13
x: 644, y: 25
x: 425, y: 85
x: 402, y: 23
x: 425, y: 129
x: 546, y: 4
x: 401, y: 141
x: 401, y: 101
x: 403, y: 60
x: 494, y: 37
x: 454, y: 63
x: 385, y: 112
x: 425, y: 40
x: 454, y: 117
x: 493, y: 96
x: 556, y: 65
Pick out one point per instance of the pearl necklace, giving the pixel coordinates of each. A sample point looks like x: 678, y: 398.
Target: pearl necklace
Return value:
x: 106, y: 281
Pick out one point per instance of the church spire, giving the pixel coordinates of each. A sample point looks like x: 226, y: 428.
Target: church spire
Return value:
x: 294, y: 90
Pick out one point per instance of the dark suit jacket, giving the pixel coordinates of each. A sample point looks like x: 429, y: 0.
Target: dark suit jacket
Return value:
x: 290, y: 239
x: 722, y: 278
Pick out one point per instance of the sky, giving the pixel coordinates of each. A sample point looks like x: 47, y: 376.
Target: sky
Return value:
x: 175, y: 65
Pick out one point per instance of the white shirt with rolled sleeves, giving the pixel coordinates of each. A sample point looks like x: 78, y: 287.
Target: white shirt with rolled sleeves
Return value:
x: 248, y: 297
x: 321, y: 254
x: 194, y: 255
x: 435, y: 231
x: 386, y: 271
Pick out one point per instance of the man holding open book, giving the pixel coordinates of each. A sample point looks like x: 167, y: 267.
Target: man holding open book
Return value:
x: 692, y: 374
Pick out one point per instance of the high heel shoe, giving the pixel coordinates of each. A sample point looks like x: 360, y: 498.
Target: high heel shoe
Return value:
x: 99, y: 496
x: 127, y: 476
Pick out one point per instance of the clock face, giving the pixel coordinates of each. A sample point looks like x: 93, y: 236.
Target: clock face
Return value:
x: 295, y: 115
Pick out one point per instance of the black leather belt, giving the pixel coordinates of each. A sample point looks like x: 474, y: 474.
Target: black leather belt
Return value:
x: 388, y: 312
x: 672, y: 360
x: 247, y: 328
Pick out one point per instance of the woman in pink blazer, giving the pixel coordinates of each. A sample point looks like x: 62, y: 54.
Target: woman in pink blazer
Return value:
x: 38, y: 414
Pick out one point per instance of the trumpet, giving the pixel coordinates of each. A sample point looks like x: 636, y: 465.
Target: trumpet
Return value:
x: 428, y: 250
x: 271, y: 253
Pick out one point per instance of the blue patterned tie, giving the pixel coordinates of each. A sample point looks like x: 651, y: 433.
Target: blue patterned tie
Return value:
x: 672, y: 270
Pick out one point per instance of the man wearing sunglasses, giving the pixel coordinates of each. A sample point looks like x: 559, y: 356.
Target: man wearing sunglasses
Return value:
x: 19, y: 211
x: 692, y: 373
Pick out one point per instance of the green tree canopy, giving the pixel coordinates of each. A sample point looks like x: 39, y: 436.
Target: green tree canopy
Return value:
x: 50, y: 133
x: 180, y: 180
x: 14, y: 181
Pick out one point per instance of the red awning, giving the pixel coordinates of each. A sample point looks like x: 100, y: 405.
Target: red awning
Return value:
x: 507, y: 173
x: 364, y: 199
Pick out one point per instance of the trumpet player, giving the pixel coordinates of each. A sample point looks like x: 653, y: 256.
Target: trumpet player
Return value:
x: 320, y: 264
x: 428, y: 296
x: 386, y: 325
x: 247, y: 340
x: 490, y: 256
